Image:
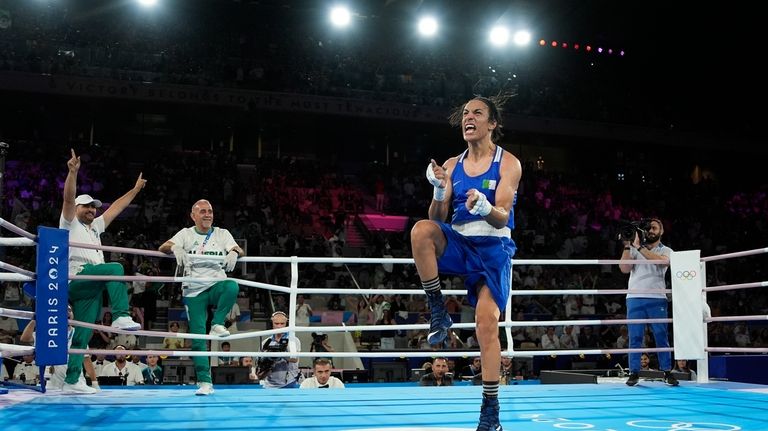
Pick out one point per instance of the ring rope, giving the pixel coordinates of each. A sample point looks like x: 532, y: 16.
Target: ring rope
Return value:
x: 736, y: 318
x: 17, y: 230
x: 17, y: 242
x: 737, y: 349
x: 387, y: 354
x: 18, y: 314
x: 736, y: 286
x: 736, y: 254
x: 12, y: 276
x: 327, y: 291
x: 16, y: 269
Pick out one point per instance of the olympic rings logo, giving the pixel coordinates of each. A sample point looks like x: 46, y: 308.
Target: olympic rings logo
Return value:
x: 682, y: 426
x: 685, y: 275
x: 649, y: 424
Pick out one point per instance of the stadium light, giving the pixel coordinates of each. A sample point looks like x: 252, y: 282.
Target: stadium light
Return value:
x: 427, y: 26
x: 340, y: 16
x: 147, y: 3
x: 499, y: 36
x: 522, y: 37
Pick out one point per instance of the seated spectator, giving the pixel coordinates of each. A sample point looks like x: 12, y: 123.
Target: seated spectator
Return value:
x: 645, y: 362
x: 569, y: 340
x: 549, y: 341
x: 247, y: 361
x: 454, y: 342
x: 8, y: 326
x: 174, y: 343
x: 472, y: 370
x: 681, y: 366
x: 508, y: 373
x: 101, y: 339
x: 130, y: 341
x: 136, y: 360
x: 153, y: 373
x: 127, y: 371
x: 227, y: 360
x: 623, y: 340
x: 472, y: 342
x: 438, y: 376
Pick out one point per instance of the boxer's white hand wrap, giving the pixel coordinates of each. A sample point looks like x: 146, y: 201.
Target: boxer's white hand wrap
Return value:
x: 482, y: 206
x: 439, y: 193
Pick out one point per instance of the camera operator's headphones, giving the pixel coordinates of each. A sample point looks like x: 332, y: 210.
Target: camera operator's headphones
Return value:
x: 279, y: 313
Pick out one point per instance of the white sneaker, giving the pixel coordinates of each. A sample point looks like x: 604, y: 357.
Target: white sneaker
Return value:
x: 95, y: 386
x: 79, y: 388
x: 125, y: 322
x: 218, y: 331
x: 204, y: 389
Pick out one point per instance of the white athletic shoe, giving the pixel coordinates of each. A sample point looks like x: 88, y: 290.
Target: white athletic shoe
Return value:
x: 218, y: 331
x: 125, y: 322
x: 205, y: 388
x: 79, y: 388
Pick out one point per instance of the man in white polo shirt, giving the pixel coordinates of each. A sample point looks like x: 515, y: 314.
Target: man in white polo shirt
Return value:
x: 652, y: 302
x: 78, y: 216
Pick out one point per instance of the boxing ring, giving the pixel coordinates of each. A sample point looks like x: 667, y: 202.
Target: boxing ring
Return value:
x: 610, y: 405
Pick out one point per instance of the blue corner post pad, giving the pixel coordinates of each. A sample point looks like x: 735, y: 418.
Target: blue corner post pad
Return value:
x: 51, y: 293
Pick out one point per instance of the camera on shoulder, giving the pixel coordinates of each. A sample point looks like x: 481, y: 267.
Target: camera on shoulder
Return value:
x: 629, y: 229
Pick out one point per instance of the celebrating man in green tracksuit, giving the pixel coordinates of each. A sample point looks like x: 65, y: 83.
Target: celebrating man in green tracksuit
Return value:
x: 78, y: 216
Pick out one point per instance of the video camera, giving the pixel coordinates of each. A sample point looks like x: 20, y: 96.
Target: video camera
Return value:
x: 630, y: 228
x: 318, y: 338
x: 264, y: 364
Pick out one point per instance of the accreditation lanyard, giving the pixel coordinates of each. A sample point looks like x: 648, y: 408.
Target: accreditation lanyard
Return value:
x: 205, y: 241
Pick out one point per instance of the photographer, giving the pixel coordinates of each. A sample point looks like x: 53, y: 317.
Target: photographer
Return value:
x: 279, y: 372
x: 320, y: 344
x: 642, y: 241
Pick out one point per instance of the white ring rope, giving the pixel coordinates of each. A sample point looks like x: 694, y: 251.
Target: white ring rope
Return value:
x: 517, y: 262
x: 16, y: 269
x: 736, y: 254
x: 17, y: 242
x: 736, y: 318
x: 329, y: 291
x: 14, y: 350
x: 737, y: 349
x: 15, y: 229
x: 344, y: 328
x: 18, y: 314
x: 387, y: 354
x: 12, y: 276
x: 736, y: 286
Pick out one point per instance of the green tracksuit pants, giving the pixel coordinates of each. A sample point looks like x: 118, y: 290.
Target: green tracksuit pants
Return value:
x: 222, y: 296
x: 86, y: 299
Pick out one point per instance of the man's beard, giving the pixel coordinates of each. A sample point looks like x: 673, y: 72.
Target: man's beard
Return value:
x: 651, y: 238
